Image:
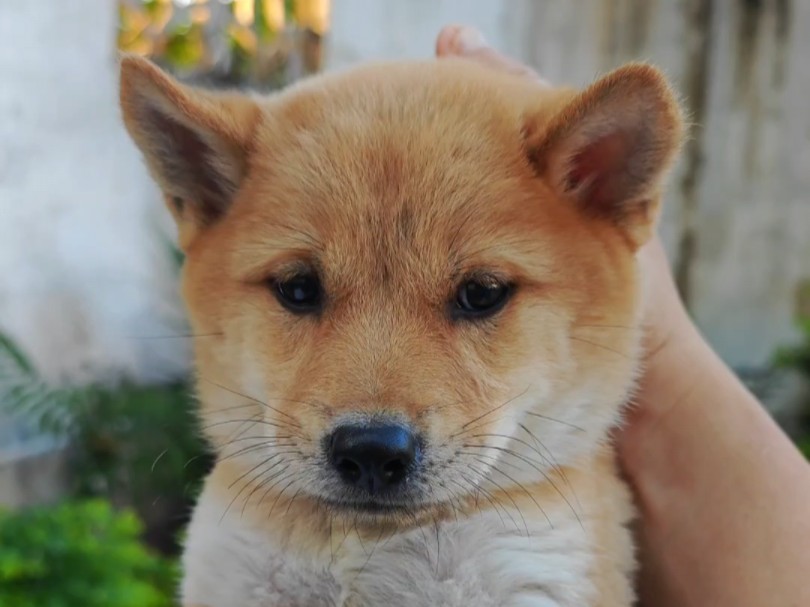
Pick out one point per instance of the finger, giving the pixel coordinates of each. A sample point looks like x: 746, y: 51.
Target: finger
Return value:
x: 446, y: 40
x: 467, y: 42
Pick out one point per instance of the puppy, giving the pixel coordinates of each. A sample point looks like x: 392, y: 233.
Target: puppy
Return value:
x: 416, y: 304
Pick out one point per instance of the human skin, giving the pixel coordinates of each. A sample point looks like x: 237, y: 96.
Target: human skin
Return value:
x: 723, y: 494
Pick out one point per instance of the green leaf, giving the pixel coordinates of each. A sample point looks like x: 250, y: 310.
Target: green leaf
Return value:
x: 80, y: 553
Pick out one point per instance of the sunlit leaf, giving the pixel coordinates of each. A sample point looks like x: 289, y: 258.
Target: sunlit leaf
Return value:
x: 313, y: 15
x: 273, y: 14
x: 244, y: 38
x: 185, y: 46
x: 244, y: 11
x: 200, y: 15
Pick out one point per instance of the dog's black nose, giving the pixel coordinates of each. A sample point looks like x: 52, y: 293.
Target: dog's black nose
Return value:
x: 373, y: 457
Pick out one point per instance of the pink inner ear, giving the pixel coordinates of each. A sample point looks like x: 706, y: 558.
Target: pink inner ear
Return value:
x: 597, y: 170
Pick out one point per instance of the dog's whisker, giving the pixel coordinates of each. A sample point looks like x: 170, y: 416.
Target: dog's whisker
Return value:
x: 243, y: 488
x: 625, y: 327
x: 434, y: 407
x: 331, y: 545
x: 479, y: 491
x: 278, y: 497
x: 370, y: 554
x: 194, y: 459
x: 554, y: 462
x: 421, y: 529
x: 466, y: 494
x: 485, y: 477
x: 292, y: 499
x: 545, y: 462
x: 359, y: 536
x: 275, y: 480
x: 493, y: 458
x: 239, y: 434
x: 263, y: 482
x: 256, y: 400
x: 241, y: 429
x: 254, y: 468
x: 345, y: 535
x: 436, y: 526
x: 266, y: 438
x: 157, y: 459
x: 255, y: 420
x: 493, y: 500
x: 505, y: 492
x: 552, y: 419
x: 490, y: 412
x: 259, y: 447
x: 526, y: 491
x: 452, y: 495
x: 270, y: 442
x: 243, y: 451
x: 266, y: 477
x: 602, y: 346
x: 256, y: 488
x: 533, y: 464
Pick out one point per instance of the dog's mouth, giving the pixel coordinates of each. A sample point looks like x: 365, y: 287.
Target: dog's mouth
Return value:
x: 375, y: 506
x: 385, y: 510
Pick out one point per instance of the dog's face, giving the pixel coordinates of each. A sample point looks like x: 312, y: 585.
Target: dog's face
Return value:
x: 412, y: 280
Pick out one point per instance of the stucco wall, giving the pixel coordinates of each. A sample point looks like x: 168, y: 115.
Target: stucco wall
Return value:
x: 85, y: 276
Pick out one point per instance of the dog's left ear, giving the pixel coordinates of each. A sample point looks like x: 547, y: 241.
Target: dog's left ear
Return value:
x: 609, y: 149
x: 195, y: 142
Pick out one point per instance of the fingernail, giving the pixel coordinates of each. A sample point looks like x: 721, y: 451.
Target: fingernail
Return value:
x: 469, y: 40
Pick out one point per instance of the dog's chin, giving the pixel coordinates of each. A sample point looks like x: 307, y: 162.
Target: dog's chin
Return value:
x: 373, y: 511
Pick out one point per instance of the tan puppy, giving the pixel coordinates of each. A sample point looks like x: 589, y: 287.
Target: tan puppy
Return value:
x: 416, y: 297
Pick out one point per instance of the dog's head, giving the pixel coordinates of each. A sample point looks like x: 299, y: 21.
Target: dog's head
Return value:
x: 410, y: 280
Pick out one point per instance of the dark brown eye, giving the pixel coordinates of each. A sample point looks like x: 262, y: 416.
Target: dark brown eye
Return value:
x: 300, y: 293
x: 480, y: 298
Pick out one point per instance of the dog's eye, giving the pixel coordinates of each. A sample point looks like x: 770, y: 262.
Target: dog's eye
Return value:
x: 479, y: 298
x: 300, y: 293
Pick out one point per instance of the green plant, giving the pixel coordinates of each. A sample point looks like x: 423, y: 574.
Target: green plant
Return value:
x: 137, y: 446
x: 245, y: 41
x: 81, y: 553
x: 798, y: 358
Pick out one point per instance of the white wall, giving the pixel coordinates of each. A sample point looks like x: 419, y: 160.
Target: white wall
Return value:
x: 84, y: 275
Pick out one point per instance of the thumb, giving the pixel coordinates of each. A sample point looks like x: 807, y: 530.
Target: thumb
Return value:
x: 469, y: 43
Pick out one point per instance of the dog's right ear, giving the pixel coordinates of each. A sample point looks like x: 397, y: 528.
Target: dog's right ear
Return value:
x: 195, y: 142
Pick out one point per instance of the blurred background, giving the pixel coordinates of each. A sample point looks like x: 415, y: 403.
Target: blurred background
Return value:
x: 100, y: 456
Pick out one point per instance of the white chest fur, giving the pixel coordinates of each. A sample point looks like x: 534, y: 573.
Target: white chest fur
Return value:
x: 480, y: 561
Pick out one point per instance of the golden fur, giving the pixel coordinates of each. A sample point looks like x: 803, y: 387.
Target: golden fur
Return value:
x: 395, y: 182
